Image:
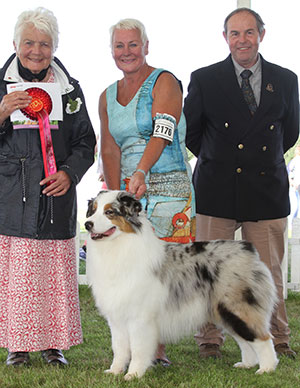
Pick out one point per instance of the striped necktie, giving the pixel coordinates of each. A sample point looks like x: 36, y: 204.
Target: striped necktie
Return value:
x: 247, y: 91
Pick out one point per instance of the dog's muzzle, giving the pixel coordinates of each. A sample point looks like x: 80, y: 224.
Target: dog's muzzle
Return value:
x: 89, y: 225
x: 97, y: 236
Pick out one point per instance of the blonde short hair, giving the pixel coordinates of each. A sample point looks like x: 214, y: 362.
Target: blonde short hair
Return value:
x: 129, y: 24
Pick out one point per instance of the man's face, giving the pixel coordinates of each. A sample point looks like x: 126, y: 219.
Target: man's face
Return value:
x: 243, y: 38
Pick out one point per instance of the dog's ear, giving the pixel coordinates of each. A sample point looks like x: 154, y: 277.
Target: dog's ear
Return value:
x: 92, y: 207
x: 101, y: 192
x: 129, y: 206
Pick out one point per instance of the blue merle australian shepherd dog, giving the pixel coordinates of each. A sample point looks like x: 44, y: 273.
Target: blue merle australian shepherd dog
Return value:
x: 152, y: 292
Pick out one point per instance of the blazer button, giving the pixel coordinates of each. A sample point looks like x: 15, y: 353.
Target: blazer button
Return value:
x: 226, y: 125
x: 240, y: 146
x: 262, y: 173
x: 272, y: 127
x: 238, y: 170
x: 264, y: 148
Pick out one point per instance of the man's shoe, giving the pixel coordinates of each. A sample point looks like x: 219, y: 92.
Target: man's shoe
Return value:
x: 54, y: 357
x: 210, y: 350
x: 285, y: 350
x: 17, y: 358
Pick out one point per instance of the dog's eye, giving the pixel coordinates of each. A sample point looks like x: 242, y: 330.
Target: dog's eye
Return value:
x: 108, y: 212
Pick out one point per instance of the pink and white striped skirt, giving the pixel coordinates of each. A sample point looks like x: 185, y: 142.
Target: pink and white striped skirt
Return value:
x: 39, y: 303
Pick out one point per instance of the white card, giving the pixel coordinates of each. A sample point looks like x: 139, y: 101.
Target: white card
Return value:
x: 53, y: 89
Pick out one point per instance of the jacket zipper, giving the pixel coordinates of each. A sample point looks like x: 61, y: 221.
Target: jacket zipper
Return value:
x: 22, y: 160
x: 51, y: 210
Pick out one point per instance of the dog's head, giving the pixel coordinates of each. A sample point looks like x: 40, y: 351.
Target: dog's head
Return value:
x: 112, y: 213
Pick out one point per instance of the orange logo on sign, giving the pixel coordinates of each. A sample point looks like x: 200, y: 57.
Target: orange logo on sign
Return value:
x: 36, y: 105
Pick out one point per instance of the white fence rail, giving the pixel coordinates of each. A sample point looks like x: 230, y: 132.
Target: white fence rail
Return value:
x: 81, y: 236
x: 290, y: 265
x: 294, y: 257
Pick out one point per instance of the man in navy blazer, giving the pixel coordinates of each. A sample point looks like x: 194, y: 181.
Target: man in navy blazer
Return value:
x: 240, y: 178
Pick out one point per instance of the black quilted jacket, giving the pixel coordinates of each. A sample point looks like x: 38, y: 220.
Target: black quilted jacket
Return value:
x: 24, y: 210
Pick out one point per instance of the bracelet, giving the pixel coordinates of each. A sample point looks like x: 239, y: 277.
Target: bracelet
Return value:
x: 140, y: 170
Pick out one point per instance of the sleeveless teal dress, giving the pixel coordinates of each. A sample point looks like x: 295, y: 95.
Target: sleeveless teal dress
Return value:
x: 169, y: 199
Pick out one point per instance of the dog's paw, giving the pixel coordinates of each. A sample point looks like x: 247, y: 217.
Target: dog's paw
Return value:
x: 242, y: 365
x: 267, y: 368
x: 260, y: 371
x: 130, y: 376
x: 113, y: 371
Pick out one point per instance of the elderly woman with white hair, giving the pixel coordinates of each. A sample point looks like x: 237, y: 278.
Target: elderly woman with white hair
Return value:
x: 40, y: 166
x: 143, y: 138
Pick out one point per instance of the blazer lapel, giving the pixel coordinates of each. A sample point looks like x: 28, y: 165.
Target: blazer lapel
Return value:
x: 268, y: 88
x: 267, y: 94
x: 226, y: 77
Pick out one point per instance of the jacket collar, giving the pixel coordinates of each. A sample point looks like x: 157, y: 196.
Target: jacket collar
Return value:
x: 228, y: 82
x: 60, y: 74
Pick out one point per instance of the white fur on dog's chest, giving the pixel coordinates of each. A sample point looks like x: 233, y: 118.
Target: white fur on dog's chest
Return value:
x: 119, y: 278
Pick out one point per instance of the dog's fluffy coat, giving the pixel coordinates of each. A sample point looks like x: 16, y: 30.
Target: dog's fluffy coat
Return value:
x: 152, y: 292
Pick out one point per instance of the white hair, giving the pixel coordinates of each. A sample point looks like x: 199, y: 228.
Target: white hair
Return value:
x: 42, y: 19
x: 129, y: 24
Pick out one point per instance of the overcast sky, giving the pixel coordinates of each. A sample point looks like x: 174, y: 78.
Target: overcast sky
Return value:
x: 183, y: 36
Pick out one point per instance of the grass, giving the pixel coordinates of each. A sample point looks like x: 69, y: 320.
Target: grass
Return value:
x: 88, y: 360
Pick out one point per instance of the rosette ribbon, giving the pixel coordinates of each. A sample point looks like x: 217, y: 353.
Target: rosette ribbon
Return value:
x: 39, y: 109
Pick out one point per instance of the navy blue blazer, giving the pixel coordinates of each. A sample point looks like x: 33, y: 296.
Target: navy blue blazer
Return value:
x: 241, y: 173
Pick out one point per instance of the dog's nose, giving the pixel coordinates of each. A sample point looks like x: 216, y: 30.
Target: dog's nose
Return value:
x: 88, y: 225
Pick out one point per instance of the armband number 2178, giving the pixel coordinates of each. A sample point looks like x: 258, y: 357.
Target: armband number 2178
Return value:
x: 164, y: 128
